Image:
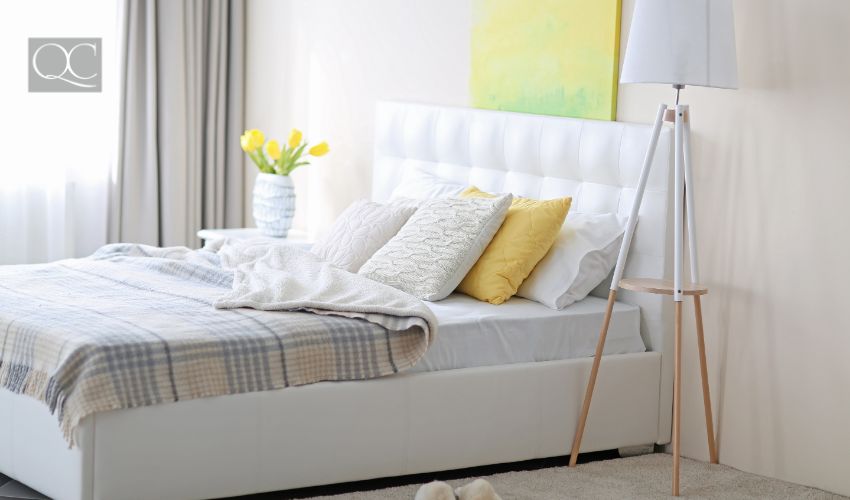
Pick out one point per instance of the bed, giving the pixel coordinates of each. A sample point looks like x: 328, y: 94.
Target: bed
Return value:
x: 487, y: 406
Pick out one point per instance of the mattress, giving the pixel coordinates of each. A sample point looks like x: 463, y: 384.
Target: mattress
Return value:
x: 474, y: 333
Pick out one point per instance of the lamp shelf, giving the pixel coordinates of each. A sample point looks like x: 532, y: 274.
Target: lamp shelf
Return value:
x: 660, y: 286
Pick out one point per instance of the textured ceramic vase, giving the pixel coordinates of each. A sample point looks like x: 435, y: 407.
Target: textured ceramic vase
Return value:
x: 274, y: 204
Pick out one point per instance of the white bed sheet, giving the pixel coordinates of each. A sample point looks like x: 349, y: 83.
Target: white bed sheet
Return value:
x: 474, y: 333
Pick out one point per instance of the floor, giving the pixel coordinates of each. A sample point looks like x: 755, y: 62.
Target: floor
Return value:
x: 347, y: 489
x: 12, y: 489
x: 601, y: 475
x: 645, y: 477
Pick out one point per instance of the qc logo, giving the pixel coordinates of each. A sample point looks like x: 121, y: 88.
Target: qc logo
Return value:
x: 65, y: 65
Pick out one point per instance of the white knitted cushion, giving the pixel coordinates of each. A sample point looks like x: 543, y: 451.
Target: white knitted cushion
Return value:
x: 363, y: 228
x: 432, y: 253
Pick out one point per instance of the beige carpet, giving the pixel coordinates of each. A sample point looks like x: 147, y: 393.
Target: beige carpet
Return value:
x: 646, y: 476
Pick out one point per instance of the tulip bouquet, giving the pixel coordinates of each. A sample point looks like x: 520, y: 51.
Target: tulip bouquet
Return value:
x: 279, y: 161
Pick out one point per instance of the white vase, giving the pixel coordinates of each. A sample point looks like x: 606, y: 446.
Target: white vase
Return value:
x: 274, y: 204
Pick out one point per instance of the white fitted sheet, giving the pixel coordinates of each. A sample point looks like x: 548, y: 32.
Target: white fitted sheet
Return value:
x: 474, y: 333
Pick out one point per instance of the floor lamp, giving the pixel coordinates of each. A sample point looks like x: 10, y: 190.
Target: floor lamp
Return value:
x: 676, y: 42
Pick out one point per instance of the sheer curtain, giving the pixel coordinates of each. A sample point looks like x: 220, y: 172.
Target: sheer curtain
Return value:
x: 56, y: 149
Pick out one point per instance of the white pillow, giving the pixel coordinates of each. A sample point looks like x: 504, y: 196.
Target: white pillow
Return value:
x: 583, y: 255
x: 420, y: 184
x: 432, y: 253
x: 363, y: 228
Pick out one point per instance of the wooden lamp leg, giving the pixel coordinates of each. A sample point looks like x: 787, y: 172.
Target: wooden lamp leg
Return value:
x: 677, y: 397
x: 618, y: 275
x: 588, y: 393
x: 706, y: 395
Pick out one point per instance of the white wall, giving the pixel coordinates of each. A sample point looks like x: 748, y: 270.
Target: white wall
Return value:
x: 340, y: 57
x: 772, y: 171
x: 772, y: 174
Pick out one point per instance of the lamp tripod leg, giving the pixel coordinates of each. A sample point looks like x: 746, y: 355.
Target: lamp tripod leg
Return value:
x: 677, y: 398
x: 690, y: 210
x: 706, y: 394
x: 618, y: 274
x: 678, y: 244
x: 692, y: 246
x: 591, y: 383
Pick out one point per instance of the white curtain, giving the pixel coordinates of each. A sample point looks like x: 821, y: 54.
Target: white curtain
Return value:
x: 41, y: 222
x: 56, y: 149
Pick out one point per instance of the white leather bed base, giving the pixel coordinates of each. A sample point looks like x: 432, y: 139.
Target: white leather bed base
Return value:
x: 332, y: 432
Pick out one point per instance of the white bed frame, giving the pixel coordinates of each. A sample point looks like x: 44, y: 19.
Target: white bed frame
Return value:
x: 408, y: 423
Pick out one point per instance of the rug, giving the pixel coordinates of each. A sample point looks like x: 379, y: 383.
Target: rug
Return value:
x: 642, y: 477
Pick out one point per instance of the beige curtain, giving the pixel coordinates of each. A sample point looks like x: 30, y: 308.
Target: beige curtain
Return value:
x: 179, y: 162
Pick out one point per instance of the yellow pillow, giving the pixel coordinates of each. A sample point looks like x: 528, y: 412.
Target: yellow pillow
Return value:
x: 529, y: 230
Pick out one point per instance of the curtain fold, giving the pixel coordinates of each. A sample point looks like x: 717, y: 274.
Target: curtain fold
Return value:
x: 179, y: 163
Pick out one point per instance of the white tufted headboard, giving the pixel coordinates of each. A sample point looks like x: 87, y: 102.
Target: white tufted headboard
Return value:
x: 597, y: 163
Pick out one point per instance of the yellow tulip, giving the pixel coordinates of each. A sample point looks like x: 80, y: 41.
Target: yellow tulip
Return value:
x: 295, y: 138
x: 320, y: 149
x: 257, y: 138
x: 274, y: 149
x: 245, y: 142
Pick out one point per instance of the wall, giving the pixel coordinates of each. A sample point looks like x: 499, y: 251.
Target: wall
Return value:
x: 772, y: 173
x: 324, y: 71
x: 772, y: 167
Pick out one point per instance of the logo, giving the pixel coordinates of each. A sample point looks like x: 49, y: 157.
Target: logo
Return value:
x: 65, y: 65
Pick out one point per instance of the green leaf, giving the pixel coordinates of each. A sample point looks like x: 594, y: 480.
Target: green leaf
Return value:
x: 296, y: 165
x: 253, y: 156
x: 297, y: 154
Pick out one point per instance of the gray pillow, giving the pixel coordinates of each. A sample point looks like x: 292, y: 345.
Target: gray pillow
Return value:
x: 438, y: 245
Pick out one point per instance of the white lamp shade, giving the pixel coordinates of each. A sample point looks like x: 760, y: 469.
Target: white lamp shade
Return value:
x: 682, y: 42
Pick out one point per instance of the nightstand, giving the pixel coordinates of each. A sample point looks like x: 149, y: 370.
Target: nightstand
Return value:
x: 301, y: 238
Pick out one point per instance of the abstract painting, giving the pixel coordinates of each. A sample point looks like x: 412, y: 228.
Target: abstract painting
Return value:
x: 551, y: 57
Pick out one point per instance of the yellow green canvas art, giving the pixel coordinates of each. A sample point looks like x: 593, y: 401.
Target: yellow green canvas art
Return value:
x: 553, y: 57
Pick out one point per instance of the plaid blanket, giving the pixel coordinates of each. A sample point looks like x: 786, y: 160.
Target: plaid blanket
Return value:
x: 134, y: 326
